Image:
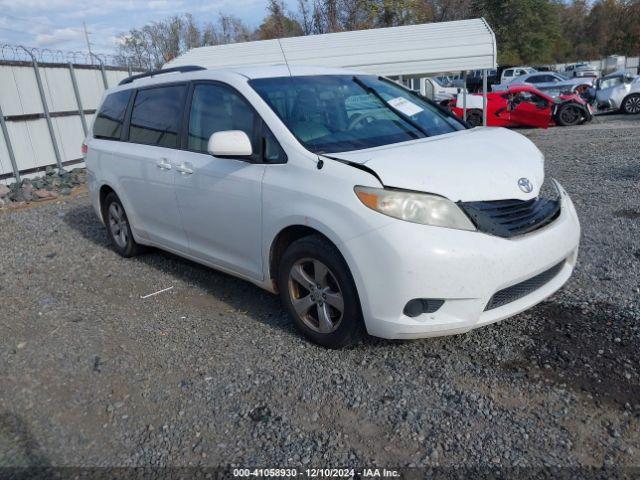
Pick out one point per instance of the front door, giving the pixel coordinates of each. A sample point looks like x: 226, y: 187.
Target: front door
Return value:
x: 530, y: 110
x: 220, y: 199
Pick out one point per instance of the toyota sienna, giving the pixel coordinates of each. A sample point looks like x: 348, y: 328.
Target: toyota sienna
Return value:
x: 365, y: 206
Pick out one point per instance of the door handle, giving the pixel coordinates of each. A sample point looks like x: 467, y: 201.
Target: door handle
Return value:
x: 163, y: 164
x: 185, y: 168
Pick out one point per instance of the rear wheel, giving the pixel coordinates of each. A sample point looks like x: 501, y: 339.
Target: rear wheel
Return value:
x: 318, y: 292
x: 118, y: 227
x: 569, y: 115
x: 631, y: 104
x: 474, y: 118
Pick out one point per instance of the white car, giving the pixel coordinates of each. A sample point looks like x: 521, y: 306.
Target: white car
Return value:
x: 365, y: 206
x: 509, y: 74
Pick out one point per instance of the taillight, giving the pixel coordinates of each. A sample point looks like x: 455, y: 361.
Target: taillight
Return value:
x: 85, y: 148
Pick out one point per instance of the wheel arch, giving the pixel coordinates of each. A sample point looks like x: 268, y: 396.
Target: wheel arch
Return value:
x: 285, y: 237
x: 102, y: 195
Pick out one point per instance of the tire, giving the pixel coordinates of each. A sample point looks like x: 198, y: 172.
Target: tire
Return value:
x: 631, y: 104
x: 298, y: 280
x: 569, y: 115
x: 474, y: 118
x: 118, y: 228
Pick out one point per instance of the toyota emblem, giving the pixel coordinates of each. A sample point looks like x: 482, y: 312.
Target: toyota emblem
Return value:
x: 525, y: 185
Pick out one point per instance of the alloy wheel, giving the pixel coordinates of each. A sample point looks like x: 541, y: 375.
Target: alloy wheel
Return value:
x: 316, y: 295
x: 570, y: 115
x: 118, y: 224
x: 632, y: 105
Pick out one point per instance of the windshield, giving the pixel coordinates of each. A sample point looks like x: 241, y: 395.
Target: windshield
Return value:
x: 339, y: 113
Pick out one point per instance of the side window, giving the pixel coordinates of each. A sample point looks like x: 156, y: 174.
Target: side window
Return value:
x: 508, y: 73
x: 537, y: 79
x: 155, y: 118
x: 273, y: 152
x: 216, y: 108
x: 108, y: 123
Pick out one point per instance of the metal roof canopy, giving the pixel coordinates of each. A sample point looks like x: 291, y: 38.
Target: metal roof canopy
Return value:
x: 407, y: 50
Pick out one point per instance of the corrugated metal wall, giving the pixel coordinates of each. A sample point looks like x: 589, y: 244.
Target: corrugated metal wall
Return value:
x: 25, y: 119
x: 407, y: 50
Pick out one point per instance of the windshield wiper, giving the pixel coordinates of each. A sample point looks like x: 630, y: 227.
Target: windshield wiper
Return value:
x: 403, y: 116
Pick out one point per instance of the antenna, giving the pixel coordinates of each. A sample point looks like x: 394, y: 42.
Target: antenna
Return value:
x: 286, y: 62
x: 86, y: 37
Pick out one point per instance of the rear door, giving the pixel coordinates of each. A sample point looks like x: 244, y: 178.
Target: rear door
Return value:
x: 220, y: 199
x: 147, y: 163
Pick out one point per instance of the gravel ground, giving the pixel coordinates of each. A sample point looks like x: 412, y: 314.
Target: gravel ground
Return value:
x: 213, y: 373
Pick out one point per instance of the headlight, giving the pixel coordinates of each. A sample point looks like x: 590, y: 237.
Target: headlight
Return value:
x: 550, y: 189
x: 414, y: 207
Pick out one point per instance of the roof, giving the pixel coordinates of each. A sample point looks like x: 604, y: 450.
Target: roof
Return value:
x: 407, y: 50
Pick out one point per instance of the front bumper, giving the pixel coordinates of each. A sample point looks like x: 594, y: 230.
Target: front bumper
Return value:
x: 463, y: 268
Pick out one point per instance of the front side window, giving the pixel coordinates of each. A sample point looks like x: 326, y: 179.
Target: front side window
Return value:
x: 110, y: 118
x: 215, y: 108
x: 338, y: 113
x: 155, y: 118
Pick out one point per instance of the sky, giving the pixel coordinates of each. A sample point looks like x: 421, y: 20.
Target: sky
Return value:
x: 57, y: 24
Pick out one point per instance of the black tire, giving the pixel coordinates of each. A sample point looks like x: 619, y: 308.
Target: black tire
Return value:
x: 123, y: 243
x: 631, y: 104
x: 474, y: 118
x: 348, y: 325
x: 569, y: 115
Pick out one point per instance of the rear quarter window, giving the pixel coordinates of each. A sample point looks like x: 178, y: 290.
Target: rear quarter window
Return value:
x: 156, y: 114
x: 110, y: 118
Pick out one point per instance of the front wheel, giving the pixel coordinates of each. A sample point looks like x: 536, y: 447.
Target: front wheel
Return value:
x: 631, y: 104
x: 569, y: 115
x: 319, y: 294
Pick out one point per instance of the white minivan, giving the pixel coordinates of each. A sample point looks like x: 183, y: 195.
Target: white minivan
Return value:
x: 365, y: 206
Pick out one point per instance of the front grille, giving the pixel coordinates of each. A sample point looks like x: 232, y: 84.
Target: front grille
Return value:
x: 522, y: 289
x: 508, y: 218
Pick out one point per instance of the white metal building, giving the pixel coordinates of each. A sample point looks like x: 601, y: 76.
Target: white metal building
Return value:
x: 396, y: 51
x: 412, y: 50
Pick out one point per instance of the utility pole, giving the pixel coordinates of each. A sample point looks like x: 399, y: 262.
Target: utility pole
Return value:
x: 86, y: 37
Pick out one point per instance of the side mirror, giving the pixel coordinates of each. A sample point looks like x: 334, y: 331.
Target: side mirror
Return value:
x: 230, y: 143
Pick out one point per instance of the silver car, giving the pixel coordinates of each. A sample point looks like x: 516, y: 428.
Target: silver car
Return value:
x: 618, y: 91
x: 551, y: 83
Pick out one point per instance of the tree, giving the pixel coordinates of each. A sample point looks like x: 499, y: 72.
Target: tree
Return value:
x: 278, y: 24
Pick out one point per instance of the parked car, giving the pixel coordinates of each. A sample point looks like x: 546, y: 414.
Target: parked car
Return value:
x: 524, y: 106
x: 433, y: 89
x: 509, y: 74
x: 581, y: 70
x: 551, y: 83
x: 619, y: 91
x: 364, y: 205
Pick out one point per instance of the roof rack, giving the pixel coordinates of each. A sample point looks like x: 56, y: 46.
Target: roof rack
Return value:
x: 183, y: 69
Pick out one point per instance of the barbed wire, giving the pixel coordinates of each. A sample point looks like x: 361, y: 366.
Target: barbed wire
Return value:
x: 9, y: 52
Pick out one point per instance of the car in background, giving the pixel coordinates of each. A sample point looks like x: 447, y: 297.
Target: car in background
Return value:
x: 552, y: 83
x: 509, y: 74
x: 582, y: 70
x: 619, y: 91
x: 524, y: 106
x: 435, y: 90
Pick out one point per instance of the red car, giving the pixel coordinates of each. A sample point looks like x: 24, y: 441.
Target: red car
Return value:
x: 524, y: 106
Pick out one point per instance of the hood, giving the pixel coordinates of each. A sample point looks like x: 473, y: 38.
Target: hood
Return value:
x: 469, y: 165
